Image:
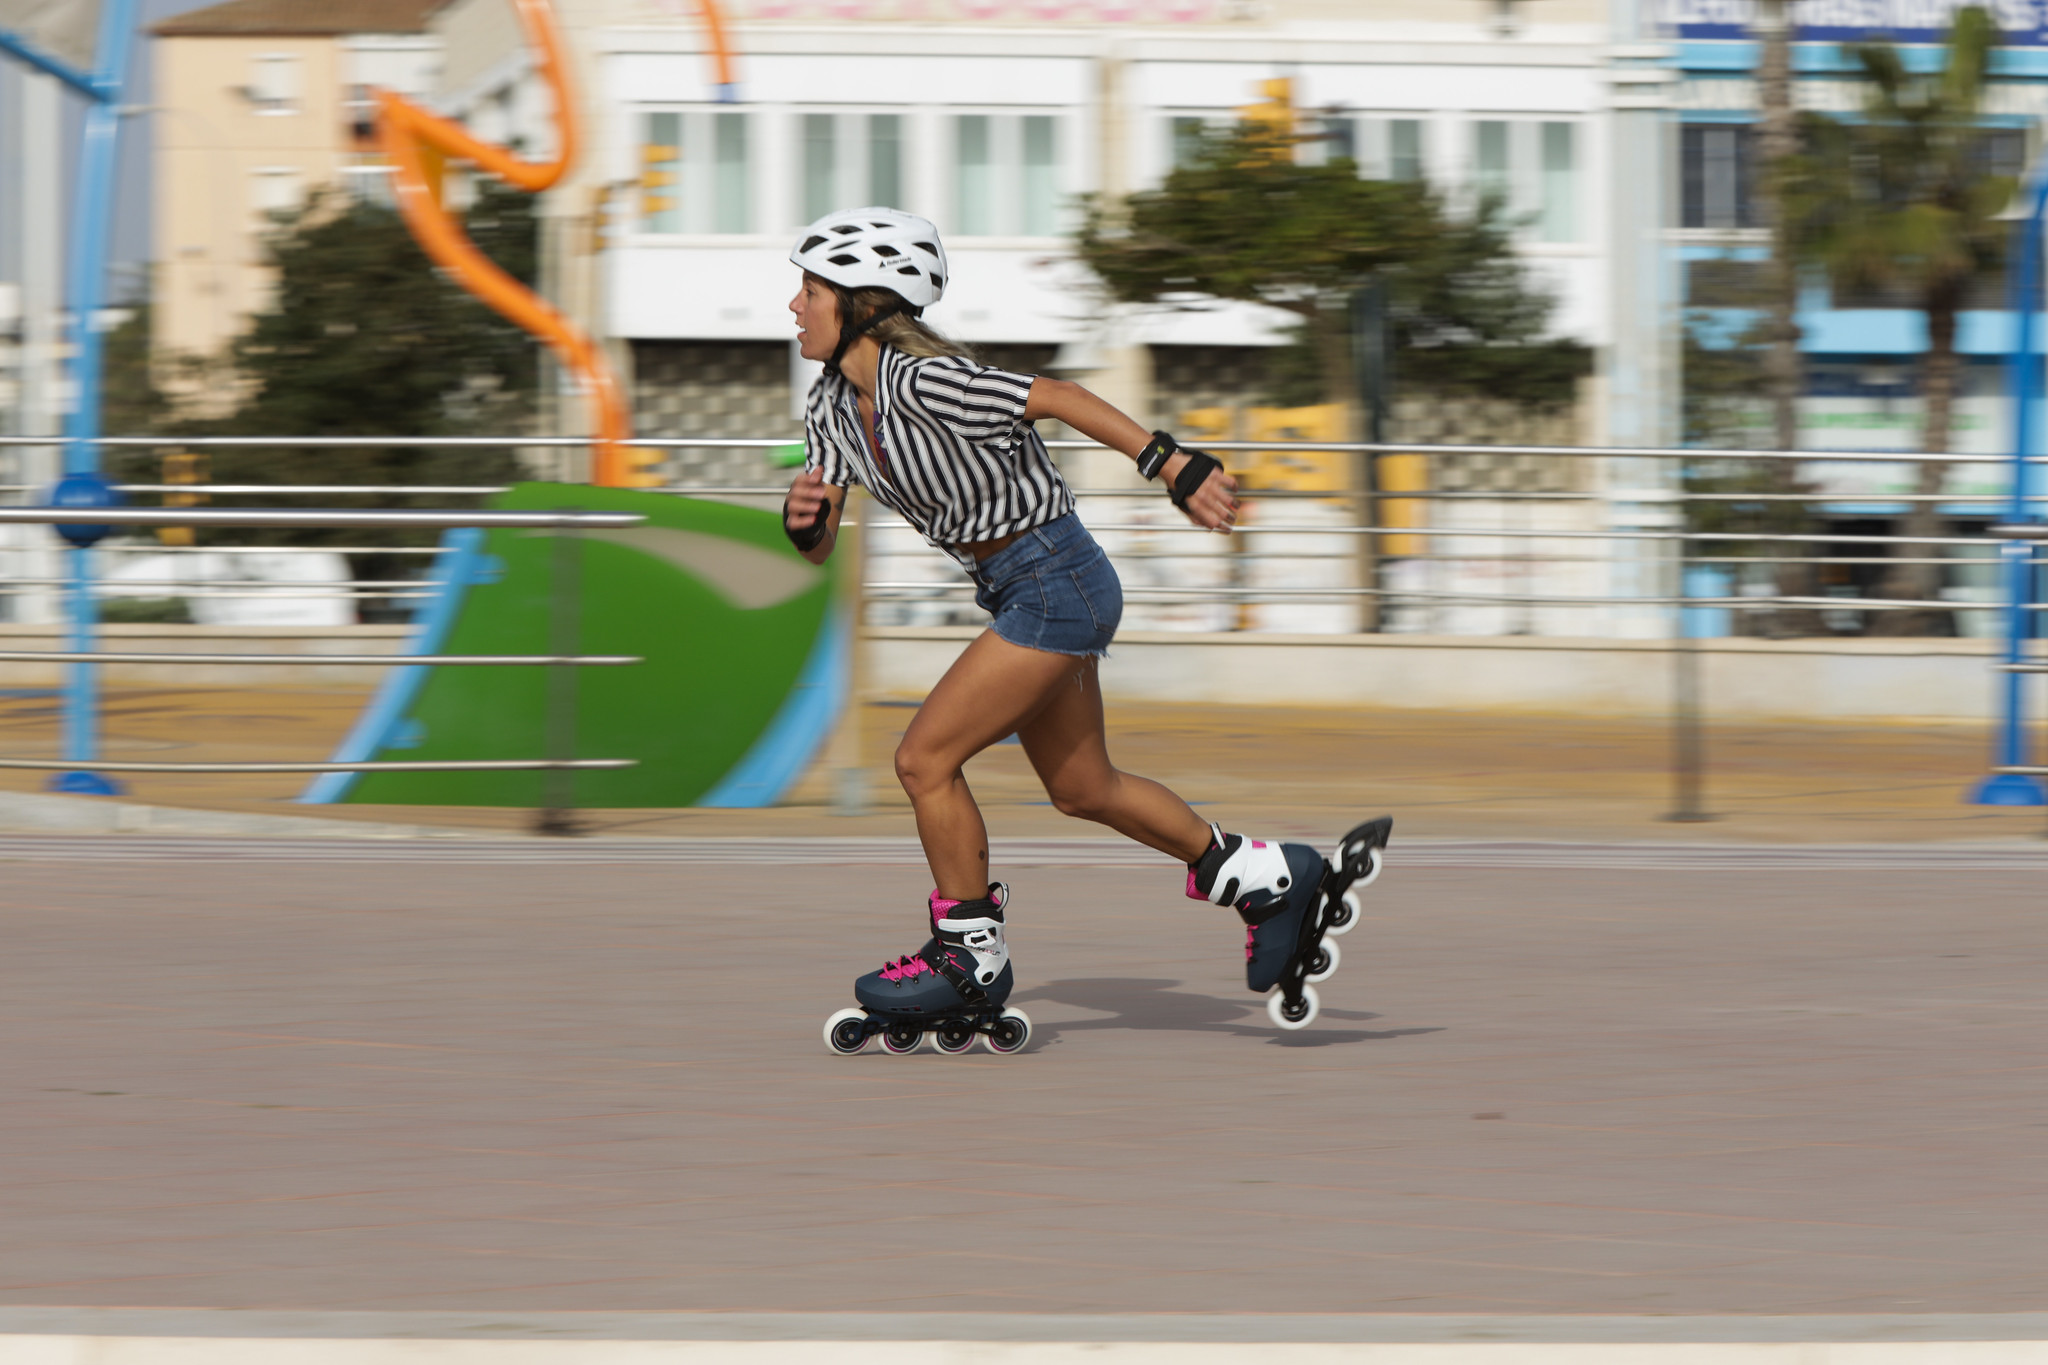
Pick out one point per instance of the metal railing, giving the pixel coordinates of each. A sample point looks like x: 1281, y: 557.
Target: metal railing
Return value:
x: 1614, y: 542
x: 81, y: 765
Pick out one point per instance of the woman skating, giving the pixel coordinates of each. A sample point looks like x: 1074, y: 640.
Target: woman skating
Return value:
x: 949, y: 445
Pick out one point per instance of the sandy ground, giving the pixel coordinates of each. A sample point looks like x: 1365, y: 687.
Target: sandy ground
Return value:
x: 1288, y: 771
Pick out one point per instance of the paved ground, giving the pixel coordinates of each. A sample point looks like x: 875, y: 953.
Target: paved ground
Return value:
x: 1606, y: 1082
x: 1294, y: 771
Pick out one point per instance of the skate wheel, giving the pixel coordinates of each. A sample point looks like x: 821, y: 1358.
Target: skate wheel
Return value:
x: 1295, y: 1017
x: 1346, y: 913
x: 847, y: 1032
x: 1322, y: 963
x: 901, y: 1038
x: 953, y: 1037
x: 1010, y: 1032
x: 1375, y: 859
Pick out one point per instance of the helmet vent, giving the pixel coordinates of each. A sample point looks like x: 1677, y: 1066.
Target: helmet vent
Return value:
x: 932, y: 247
x: 810, y: 242
x: 938, y: 281
x: 884, y: 249
x: 906, y: 270
x: 846, y: 229
x: 844, y: 258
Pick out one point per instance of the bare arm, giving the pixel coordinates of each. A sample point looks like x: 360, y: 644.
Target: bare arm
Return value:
x: 801, y: 509
x: 1214, y: 504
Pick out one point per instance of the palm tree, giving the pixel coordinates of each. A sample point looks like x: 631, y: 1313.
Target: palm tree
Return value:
x: 1904, y: 201
x: 1778, y: 146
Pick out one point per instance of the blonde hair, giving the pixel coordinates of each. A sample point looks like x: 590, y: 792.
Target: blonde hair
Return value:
x: 907, y: 334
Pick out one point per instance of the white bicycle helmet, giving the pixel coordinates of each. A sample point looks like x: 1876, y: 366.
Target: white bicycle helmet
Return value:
x: 877, y: 248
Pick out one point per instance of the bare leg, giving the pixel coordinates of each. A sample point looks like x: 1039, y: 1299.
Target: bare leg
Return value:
x: 991, y: 690
x: 1066, y: 744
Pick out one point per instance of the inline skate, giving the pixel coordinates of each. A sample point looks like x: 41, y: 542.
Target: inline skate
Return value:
x: 1293, y: 902
x: 953, y: 988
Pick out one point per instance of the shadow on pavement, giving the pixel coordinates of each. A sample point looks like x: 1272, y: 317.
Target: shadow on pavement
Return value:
x: 1154, y: 1003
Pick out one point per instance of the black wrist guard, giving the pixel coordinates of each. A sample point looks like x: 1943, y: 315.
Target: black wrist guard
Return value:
x: 1156, y: 453
x: 1193, y: 475
x: 806, y: 540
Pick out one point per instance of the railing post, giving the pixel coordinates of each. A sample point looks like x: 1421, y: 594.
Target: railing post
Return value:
x: 1688, y: 743
x: 2010, y: 747
x: 557, y: 814
x: 849, y: 748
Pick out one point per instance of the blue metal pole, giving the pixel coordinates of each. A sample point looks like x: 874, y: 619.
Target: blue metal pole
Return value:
x: 28, y: 52
x: 91, y: 241
x: 2017, y: 556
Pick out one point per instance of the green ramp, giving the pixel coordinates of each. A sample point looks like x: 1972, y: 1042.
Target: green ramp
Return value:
x: 744, y: 648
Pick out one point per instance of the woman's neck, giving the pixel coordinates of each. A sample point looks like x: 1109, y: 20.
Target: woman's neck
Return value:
x: 859, y: 365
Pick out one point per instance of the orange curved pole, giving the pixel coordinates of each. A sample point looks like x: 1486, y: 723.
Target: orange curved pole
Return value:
x: 417, y: 142
x: 721, y: 53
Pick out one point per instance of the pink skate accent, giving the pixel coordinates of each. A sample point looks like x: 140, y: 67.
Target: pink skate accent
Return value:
x: 1258, y: 843
x: 940, y: 905
x: 1194, y: 894
x: 1251, y: 938
x: 905, y: 969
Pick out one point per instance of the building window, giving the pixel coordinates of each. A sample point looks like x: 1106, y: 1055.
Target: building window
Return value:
x: 1557, y: 218
x: 1529, y: 173
x: 661, y: 163
x: 1006, y: 175
x: 1715, y: 171
x: 1490, y: 162
x: 885, y: 159
x: 274, y: 83
x: 731, y: 204
x: 1405, y: 149
x: 1337, y: 140
x: 845, y: 160
x: 821, y: 165
x: 274, y: 190
x: 1040, y: 183
x: 696, y: 173
x: 974, y: 178
x: 1185, y: 134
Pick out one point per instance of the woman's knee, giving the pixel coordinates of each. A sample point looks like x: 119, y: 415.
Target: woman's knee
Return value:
x: 920, y: 770
x: 1088, y: 800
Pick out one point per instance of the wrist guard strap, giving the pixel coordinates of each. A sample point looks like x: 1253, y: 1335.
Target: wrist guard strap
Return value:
x: 1193, y: 475
x: 1154, y: 456
x: 806, y: 540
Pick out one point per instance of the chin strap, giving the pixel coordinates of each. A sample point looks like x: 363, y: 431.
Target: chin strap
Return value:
x: 849, y: 335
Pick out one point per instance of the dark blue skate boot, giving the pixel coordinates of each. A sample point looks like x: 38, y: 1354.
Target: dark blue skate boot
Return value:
x: 1291, y: 900
x: 953, y: 988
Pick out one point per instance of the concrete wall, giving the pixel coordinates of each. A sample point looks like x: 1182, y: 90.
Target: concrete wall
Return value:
x: 1940, y: 680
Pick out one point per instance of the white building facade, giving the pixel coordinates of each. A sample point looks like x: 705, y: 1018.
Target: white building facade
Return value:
x: 996, y: 118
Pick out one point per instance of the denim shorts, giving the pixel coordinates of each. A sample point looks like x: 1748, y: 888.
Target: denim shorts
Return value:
x: 1053, y: 589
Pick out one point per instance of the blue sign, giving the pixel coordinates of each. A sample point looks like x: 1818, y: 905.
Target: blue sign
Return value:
x: 83, y: 490
x: 1849, y: 21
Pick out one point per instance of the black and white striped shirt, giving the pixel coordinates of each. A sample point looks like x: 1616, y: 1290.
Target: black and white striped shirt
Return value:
x: 959, y: 462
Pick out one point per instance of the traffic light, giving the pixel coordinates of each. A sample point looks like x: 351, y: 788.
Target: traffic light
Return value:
x: 636, y: 467
x: 182, y: 467
x: 1272, y: 118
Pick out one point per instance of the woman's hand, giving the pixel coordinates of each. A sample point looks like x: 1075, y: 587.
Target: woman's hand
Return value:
x: 811, y: 503
x: 1214, y: 505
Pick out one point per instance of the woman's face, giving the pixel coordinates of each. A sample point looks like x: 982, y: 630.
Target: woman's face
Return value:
x: 817, y: 318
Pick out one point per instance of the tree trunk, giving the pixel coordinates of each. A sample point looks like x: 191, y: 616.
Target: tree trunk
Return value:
x: 1778, y: 143
x: 1922, y: 582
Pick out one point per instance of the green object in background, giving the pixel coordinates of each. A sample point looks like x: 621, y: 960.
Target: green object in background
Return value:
x: 786, y: 457
x: 740, y: 681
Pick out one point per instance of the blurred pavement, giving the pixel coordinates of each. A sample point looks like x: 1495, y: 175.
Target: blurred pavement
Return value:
x: 522, y: 1078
